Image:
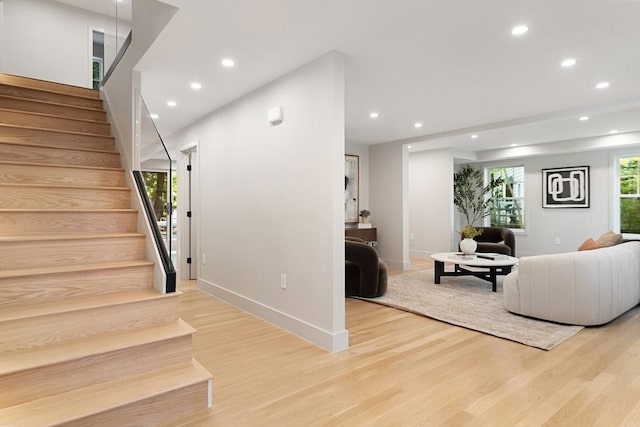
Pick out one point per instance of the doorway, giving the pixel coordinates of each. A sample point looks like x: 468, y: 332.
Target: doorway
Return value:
x: 188, y: 212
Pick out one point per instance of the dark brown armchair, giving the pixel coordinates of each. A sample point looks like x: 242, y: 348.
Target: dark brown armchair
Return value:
x: 365, y: 272
x: 496, y: 240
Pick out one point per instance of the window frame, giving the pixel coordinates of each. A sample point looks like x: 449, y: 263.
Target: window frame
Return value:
x: 525, y: 211
x: 616, y: 193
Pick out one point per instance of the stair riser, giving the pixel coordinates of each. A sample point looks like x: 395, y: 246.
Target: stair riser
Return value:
x: 37, y: 331
x: 57, y: 156
x: 25, y: 82
x: 59, y: 98
x: 55, y: 138
x: 154, y: 411
x: 49, y: 253
x: 56, y: 123
x: 53, y: 109
x: 61, y: 377
x: 35, y: 174
x: 37, y: 223
x: 60, y: 286
x: 25, y: 197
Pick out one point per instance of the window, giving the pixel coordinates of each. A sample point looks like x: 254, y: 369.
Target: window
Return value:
x: 507, y: 201
x: 96, y: 72
x: 627, y: 192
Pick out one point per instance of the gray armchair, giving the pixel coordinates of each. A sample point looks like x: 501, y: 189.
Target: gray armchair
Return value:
x: 365, y: 272
x: 496, y: 240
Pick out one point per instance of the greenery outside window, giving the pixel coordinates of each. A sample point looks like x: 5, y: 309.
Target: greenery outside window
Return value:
x: 627, y: 195
x: 97, y: 72
x: 507, y: 200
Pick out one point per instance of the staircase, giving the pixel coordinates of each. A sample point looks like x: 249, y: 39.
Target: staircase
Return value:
x: 85, y: 340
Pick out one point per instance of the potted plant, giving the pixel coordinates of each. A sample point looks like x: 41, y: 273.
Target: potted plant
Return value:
x: 364, y: 214
x: 473, y: 200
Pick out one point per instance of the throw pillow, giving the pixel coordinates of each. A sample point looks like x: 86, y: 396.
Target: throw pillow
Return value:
x: 609, y: 238
x: 590, y: 244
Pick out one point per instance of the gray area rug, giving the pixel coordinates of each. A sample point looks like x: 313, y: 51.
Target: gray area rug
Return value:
x: 470, y: 303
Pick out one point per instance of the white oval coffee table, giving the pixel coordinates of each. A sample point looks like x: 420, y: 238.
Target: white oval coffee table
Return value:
x: 488, y: 268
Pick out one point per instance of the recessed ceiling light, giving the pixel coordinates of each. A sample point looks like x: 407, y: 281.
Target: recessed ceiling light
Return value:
x: 228, y: 63
x: 417, y: 125
x: 373, y: 115
x: 519, y: 30
x: 568, y: 62
x: 474, y: 136
x: 612, y: 131
x: 171, y: 103
x: 155, y: 116
x: 409, y: 147
x: 584, y: 118
x: 196, y: 85
x: 514, y: 145
x: 602, y: 85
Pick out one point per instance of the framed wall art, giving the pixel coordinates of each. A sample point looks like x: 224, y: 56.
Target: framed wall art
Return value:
x: 351, y: 188
x: 566, y: 187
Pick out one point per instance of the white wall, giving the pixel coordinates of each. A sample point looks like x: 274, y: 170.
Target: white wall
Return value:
x: 430, y: 202
x: 272, y: 202
x: 388, y: 193
x: 47, y: 40
x: 148, y: 19
x: 571, y: 226
x: 362, y: 151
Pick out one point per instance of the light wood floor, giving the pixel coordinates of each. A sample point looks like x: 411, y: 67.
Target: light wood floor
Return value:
x: 406, y: 370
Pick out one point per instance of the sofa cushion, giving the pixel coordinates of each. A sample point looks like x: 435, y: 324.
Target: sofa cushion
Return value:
x: 590, y: 244
x: 609, y: 238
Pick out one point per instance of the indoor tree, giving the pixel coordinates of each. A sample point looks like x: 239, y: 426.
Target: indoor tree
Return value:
x: 471, y: 197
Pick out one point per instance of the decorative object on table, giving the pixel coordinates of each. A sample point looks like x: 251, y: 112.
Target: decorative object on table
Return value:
x: 468, y: 245
x: 566, y: 187
x: 365, y: 214
x: 351, y: 188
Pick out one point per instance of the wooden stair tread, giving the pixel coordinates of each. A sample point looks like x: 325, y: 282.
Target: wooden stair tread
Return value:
x: 47, y: 86
x: 54, y: 165
x: 47, y: 237
x: 80, y: 303
x: 65, y: 351
x: 26, y: 144
x: 74, y: 268
x: 80, y: 187
x: 68, y: 132
x: 54, y: 116
x: 98, y: 398
x: 65, y: 210
x: 41, y: 101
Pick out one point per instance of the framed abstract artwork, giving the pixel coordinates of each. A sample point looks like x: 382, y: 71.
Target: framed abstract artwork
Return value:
x: 351, y: 188
x: 566, y: 187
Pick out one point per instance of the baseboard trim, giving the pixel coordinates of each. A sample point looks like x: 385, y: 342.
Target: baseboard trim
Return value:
x: 330, y: 341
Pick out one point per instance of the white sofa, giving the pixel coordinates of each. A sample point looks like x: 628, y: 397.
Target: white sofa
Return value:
x: 579, y: 288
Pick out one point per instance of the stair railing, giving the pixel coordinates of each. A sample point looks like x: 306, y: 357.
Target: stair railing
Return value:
x: 154, y: 181
x: 115, y: 43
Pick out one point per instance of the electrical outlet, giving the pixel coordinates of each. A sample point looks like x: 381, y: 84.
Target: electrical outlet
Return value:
x: 283, y: 281
x: 411, y: 236
x: 204, y: 259
x: 556, y: 241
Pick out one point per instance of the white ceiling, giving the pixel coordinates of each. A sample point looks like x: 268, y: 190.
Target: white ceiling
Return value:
x: 451, y: 64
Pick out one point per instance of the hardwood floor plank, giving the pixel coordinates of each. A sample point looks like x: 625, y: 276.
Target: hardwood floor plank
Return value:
x: 406, y: 370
